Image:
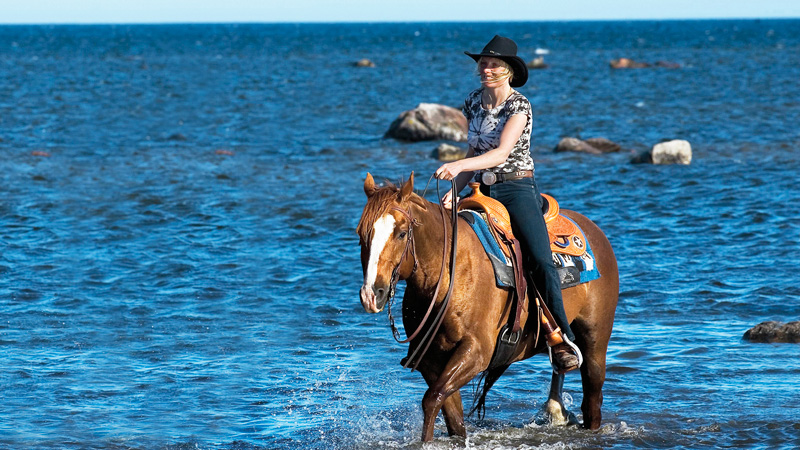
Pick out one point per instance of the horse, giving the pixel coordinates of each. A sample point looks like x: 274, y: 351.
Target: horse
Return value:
x: 405, y: 237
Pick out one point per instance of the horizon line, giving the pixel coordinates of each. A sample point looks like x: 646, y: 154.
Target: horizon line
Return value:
x: 371, y: 22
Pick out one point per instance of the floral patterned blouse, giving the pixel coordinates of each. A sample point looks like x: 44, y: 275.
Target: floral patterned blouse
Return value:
x: 485, y: 126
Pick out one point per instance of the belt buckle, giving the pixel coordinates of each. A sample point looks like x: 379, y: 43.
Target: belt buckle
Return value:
x: 488, y: 178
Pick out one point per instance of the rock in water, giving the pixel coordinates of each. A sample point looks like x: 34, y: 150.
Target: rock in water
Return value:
x: 774, y: 332
x: 626, y: 63
x: 429, y: 121
x: 571, y: 144
x: 537, y: 63
x: 364, y: 63
x: 677, y: 151
x: 447, y: 152
x: 595, y: 146
x: 604, y: 145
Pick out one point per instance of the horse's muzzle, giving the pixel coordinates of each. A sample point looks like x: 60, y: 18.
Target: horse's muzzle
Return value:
x: 373, y: 299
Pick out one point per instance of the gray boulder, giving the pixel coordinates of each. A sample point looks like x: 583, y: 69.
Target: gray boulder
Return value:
x: 429, y: 121
x: 773, y: 331
x: 594, y: 146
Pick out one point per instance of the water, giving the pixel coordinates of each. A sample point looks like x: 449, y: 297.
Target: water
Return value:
x: 179, y: 267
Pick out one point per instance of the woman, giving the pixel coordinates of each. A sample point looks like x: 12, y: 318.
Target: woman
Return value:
x: 500, y: 120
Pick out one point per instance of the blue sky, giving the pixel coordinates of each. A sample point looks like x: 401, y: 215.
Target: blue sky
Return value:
x: 170, y: 11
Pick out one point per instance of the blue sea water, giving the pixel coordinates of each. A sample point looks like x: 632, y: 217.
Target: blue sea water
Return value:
x: 178, y: 262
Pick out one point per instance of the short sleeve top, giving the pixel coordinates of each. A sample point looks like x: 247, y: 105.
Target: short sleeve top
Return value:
x: 486, y: 125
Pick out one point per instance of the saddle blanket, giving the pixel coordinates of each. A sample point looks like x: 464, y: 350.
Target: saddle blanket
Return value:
x: 503, y: 270
x: 572, y: 270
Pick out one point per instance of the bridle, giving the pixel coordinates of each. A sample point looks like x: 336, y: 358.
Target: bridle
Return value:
x: 437, y: 322
x: 409, y: 243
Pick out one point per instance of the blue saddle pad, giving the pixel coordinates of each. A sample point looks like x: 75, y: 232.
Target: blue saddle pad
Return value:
x: 503, y: 270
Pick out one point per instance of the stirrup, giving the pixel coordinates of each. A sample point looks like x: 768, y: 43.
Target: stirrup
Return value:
x: 574, y: 348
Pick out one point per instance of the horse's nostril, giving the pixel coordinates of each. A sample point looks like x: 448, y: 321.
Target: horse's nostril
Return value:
x: 379, y: 292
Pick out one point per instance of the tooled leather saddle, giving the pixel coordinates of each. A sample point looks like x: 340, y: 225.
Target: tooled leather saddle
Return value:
x: 565, y: 236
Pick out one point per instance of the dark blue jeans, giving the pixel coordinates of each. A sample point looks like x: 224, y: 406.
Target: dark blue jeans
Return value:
x: 524, y: 204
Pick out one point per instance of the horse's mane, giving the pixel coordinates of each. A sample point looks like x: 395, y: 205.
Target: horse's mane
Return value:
x: 378, y: 204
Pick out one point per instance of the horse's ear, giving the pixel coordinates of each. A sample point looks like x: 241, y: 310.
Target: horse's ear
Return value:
x: 407, y: 188
x: 369, y: 185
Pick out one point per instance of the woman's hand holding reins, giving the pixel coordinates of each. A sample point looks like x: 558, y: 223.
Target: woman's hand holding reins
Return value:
x: 448, y: 171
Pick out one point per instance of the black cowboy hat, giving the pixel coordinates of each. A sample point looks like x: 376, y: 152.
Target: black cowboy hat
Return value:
x: 505, y: 49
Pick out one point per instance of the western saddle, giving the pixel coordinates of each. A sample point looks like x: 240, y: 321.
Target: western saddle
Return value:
x: 565, y: 237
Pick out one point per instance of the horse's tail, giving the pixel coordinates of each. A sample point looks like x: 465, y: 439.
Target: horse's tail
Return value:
x: 485, y: 382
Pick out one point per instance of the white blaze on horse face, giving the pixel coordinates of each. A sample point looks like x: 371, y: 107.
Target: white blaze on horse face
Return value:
x: 382, y: 231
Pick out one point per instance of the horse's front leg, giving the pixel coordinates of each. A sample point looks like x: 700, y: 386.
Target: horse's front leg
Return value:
x: 453, y: 411
x: 463, y: 365
x: 555, y: 401
x: 452, y: 408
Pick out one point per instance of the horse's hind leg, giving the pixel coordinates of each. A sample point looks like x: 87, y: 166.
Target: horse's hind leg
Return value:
x: 593, y: 375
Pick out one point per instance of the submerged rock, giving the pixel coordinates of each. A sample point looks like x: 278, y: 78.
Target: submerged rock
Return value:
x: 626, y: 63
x: 364, y: 63
x: 429, y: 121
x: 537, y: 63
x: 668, y: 64
x: 176, y: 137
x: 773, y: 331
x: 642, y: 158
x: 448, y: 152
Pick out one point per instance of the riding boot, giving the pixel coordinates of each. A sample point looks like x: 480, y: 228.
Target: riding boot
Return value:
x: 564, y: 355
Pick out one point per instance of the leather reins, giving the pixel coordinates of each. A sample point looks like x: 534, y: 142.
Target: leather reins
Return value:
x: 437, y: 322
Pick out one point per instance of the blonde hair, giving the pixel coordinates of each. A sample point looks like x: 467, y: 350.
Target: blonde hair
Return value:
x: 508, y: 74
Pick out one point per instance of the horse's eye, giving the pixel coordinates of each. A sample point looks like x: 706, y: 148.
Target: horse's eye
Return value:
x: 402, y: 235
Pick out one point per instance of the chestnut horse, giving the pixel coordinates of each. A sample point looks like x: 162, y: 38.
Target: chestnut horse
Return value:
x: 402, y: 237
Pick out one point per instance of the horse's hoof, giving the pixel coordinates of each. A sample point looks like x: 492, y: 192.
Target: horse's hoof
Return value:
x: 558, y: 415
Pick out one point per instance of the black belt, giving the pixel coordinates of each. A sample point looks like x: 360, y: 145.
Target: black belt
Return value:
x: 489, y: 178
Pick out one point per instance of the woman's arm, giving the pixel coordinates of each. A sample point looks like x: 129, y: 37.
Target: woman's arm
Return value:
x: 461, y: 180
x: 508, y: 138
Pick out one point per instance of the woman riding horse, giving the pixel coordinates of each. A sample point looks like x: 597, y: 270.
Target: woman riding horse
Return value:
x: 499, y: 156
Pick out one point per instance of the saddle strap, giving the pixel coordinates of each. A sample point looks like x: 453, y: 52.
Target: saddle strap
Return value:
x: 521, y: 285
